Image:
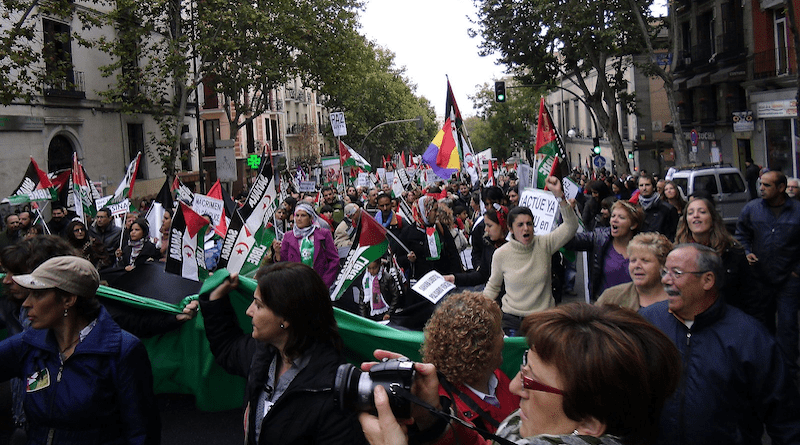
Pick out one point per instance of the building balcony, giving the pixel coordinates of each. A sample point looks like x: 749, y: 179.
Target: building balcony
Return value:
x: 767, y: 64
x: 72, y: 85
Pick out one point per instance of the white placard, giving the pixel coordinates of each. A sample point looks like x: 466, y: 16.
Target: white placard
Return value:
x: 226, y: 164
x: 206, y: 205
x: 338, y: 124
x: 433, y: 286
x: 363, y: 180
x: 307, y: 187
x: 101, y: 202
x: 571, y: 189
x: 120, y: 208
x: 389, y: 177
x: 381, y: 174
x: 544, y: 207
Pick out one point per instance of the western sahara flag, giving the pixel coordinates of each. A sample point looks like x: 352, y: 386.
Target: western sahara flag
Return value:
x: 247, y: 240
x: 369, y: 244
x: 125, y: 187
x: 186, y: 257
x: 35, y: 186
x: 551, y: 159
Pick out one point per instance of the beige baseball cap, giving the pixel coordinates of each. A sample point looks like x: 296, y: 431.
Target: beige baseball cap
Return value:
x: 68, y: 273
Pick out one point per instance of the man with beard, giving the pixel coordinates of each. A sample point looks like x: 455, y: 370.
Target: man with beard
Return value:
x: 659, y: 216
x: 12, y: 234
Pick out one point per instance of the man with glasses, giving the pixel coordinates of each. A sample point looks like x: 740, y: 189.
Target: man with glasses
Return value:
x: 735, y: 379
x: 105, y: 231
x: 769, y: 230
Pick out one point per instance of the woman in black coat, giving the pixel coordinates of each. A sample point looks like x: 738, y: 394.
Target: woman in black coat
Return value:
x: 496, y: 230
x: 289, y: 360
x: 139, y: 249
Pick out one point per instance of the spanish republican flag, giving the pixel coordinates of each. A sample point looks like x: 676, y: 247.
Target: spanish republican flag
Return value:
x: 442, y: 154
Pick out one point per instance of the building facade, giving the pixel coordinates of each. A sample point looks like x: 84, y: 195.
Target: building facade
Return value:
x: 69, y: 116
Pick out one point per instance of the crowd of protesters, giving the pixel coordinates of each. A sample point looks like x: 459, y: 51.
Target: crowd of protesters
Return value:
x: 711, y: 356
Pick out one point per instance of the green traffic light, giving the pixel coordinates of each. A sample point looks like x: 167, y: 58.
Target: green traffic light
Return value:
x: 501, y: 97
x: 630, y: 155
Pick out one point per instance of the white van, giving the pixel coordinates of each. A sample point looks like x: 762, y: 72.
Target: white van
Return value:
x: 725, y: 184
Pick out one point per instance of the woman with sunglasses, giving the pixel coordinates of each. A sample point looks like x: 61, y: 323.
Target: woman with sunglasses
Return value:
x: 91, y: 249
x: 592, y: 375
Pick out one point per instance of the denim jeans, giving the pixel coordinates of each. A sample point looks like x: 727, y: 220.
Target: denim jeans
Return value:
x: 788, y: 305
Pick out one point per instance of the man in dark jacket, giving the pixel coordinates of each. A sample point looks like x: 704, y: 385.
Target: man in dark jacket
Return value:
x: 659, y: 216
x: 11, y: 234
x: 105, y: 231
x: 735, y: 380
x: 769, y: 230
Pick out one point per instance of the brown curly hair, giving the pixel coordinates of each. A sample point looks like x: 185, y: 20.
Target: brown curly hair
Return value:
x: 461, y: 336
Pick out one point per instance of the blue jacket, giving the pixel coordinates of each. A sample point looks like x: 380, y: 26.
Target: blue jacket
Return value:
x: 102, y: 394
x: 775, y: 241
x: 734, y: 379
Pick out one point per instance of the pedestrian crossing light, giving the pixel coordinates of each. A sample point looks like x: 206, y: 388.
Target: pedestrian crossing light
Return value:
x: 500, y: 91
x: 630, y: 155
x: 596, y: 146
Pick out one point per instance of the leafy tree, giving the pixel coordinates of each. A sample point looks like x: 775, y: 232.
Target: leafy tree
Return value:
x: 539, y: 40
x: 372, y: 91
x: 27, y: 62
x: 650, y: 27
x: 244, y: 49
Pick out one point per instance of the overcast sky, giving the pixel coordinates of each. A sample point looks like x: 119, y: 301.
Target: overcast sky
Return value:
x: 429, y: 38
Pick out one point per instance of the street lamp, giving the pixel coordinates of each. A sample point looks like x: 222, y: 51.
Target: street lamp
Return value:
x: 417, y: 119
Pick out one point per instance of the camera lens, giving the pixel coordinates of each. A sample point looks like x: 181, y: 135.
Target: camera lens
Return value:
x: 353, y: 389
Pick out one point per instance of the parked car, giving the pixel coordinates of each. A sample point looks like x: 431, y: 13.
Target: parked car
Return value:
x: 725, y: 184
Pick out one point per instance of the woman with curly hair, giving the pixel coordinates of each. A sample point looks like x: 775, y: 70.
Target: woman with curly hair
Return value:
x: 464, y: 340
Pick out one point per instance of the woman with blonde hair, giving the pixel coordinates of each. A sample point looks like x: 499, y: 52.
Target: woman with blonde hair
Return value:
x: 464, y: 340
x: 647, y: 253
x: 608, y: 261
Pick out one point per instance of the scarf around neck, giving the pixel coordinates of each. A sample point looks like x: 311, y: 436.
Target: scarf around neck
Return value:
x: 646, y: 203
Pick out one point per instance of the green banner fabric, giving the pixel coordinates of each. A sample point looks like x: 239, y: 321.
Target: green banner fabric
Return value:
x: 183, y: 364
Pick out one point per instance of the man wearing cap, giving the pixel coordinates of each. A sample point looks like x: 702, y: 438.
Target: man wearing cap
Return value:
x: 87, y: 380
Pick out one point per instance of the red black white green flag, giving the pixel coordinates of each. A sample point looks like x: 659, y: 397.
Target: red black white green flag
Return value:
x: 349, y: 158
x: 125, y: 187
x: 369, y: 244
x: 82, y: 192
x: 35, y: 186
x: 550, y: 153
x: 186, y: 238
x: 247, y: 239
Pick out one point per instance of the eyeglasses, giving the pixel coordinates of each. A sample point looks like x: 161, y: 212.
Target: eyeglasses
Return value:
x: 529, y: 383
x: 677, y: 273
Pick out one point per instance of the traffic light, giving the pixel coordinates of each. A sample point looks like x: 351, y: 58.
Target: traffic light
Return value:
x: 500, y: 91
x: 630, y: 155
x: 596, y: 146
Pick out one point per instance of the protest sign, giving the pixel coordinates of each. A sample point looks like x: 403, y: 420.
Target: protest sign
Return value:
x: 544, y: 207
x: 571, y: 189
x: 307, y: 187
x: 433, y: 286
x: 363, y: 180
x: 206, y: 205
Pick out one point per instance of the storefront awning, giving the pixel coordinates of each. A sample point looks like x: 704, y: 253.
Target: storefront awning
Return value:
x: 696, y: 81
x: 735, y: 73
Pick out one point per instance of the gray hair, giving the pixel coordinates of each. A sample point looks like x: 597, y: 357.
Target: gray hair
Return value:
x: 707, y: 260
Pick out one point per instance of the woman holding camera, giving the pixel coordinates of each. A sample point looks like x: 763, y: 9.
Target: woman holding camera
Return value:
x: 592, y: 375
x: 289, y: 360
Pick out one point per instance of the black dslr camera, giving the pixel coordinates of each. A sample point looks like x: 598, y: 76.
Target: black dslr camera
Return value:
x: 353, y: 388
